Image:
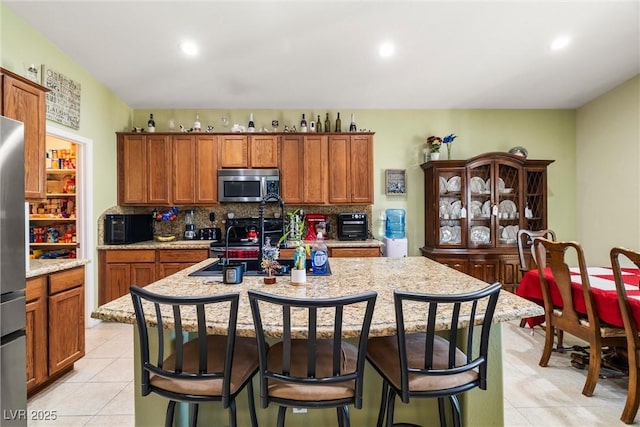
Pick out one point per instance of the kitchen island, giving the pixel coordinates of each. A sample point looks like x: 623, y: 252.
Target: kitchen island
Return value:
x: 350, y: 276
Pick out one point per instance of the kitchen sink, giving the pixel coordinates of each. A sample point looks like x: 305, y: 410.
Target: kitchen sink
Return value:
x: 252, y: 268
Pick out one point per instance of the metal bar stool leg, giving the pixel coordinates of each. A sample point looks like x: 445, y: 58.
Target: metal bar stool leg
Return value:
x: 252, y: 404
x: 168, y: 419
x: 383, y: 399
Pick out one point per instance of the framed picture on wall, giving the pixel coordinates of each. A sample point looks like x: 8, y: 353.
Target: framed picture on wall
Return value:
x: 396, y: 182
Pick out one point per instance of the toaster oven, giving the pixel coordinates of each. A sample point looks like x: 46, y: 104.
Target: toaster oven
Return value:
x: 353, y: 226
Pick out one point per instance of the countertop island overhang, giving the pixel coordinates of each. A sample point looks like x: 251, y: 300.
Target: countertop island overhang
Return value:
x: 350, y: 276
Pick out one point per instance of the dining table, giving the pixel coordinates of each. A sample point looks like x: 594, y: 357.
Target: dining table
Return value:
x: 603, y: 288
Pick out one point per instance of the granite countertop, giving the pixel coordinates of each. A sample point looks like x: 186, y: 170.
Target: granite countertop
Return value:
x: 38, y: 267
x: 204, y: 244
x: 350, y: 276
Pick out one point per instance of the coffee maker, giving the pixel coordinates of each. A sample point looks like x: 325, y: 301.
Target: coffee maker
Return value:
x: 316, y: 223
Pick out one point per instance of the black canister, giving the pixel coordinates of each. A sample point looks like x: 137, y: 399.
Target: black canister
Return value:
x: 232, y: 273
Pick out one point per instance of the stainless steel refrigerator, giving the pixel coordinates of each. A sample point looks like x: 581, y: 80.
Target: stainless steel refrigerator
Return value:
x: 13, y: 365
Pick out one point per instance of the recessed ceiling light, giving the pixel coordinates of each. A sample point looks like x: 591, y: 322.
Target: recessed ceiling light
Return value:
x: 560, y: 42
x: 386, y: 49
x: 189, y: 48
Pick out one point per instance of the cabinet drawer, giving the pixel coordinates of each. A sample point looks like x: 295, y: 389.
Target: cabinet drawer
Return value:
x: 354, y: 252
x: 35, y: 288
x: 64, y: 280
x: 183, y: 255
x: 131, y: 256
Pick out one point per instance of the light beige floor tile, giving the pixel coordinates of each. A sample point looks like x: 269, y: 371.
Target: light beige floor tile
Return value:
x: 113, y: 421
x: 577, y: 416
x: 119, y: 370
x: 85, y: 369
x: 122, y: 404
x: 513, y: 418
x: 61, y: 421
x: 69, y: 399
x: 118, y: 346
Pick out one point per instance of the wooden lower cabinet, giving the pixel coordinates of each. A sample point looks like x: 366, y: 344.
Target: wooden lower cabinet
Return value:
x: 354, y: 252
x: 173, y: 260
x: 55, y: 325
x: 119, y: 269
x: 497, y: 268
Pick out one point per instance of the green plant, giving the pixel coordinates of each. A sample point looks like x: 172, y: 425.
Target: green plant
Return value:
x: 294, y: 233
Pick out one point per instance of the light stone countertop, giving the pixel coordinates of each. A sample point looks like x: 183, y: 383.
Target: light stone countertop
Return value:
x: 38, y: 267
x: 350, y: 276
x: 204, y: 244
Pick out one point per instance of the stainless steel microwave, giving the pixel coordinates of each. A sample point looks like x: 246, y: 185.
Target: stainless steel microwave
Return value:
x: 247, y: 185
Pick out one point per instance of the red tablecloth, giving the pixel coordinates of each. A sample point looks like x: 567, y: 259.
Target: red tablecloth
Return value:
x: 602, y: 286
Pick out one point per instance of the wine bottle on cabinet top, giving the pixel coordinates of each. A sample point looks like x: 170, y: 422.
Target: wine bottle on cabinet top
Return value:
x: 318, y: 125
x: 196, y: 124
x: 251, y: 127
x: 327, y: 124
x: 352, y: 126
x: 338, y: 124
x: 151, y: 124
x: 303, y: 124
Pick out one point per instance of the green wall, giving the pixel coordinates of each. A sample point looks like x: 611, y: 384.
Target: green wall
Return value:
x: 608, y: 172
x: 399, y: 143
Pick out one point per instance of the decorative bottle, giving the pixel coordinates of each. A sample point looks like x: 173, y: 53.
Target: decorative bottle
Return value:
x: 318, y: 125
x: 338, y: 124
x: 327, y: 124
x: 352, y: 126
x: 151, y: 124
x: 303, y: 124
x: 196, y: 124
x: 251, y: 127
x: 319, y: 256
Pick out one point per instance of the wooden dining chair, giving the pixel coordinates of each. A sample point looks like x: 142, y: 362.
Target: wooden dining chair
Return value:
x: 204, y: 368
x: 419, y: 362
x: 631, y: 328
x: 564, y: 317
x: 306, y: 367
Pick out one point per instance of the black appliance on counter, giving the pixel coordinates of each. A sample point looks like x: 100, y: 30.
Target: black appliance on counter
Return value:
x: 353, y: 226
x: 244, y: 237
x: 121, y: 229
x: 210, y: 233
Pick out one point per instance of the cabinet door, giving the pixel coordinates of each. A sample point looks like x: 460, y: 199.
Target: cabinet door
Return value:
x: 460, y: 265
x: 510, y: 274
x: 36, y: 332
x: 169, y: 268
x: 339, y: 169
x: 184, y: 166
x: 354, y: 252
x: 206, y: 173
x: 25, y: 101
x: 361, y: 162
x: 479, y: 180
x: 315, y: 169
x: 508, y: 195
x: 292, y: 168
x: 263, y: 151
x: 159, y: 169
x: 132, y: 170
x: 142, y: 274
x: 234, y: 151
x: 485, y: 270
x: 66, y: 329
x: 117, y: 281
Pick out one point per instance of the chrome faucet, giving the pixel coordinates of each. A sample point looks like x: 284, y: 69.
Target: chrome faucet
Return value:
x: 263, y: 204
x: 226, y: 246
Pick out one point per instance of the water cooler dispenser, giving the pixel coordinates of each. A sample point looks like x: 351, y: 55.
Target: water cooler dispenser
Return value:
x: 395, y: 242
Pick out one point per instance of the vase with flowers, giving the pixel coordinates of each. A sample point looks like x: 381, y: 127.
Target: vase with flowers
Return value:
x: 448, y: 141
x: 434, y: 143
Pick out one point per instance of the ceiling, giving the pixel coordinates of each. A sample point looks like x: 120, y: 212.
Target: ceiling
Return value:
x: 324, y: 54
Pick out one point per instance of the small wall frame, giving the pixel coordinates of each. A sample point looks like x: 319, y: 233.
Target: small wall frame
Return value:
x: 395, y: 182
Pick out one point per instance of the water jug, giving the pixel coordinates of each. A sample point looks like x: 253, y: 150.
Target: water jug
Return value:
x: 395, y: 224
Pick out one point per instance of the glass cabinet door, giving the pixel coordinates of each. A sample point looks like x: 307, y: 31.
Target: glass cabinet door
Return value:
x: 451, y: 209
x: 507, y: 193
x: 481, y: 204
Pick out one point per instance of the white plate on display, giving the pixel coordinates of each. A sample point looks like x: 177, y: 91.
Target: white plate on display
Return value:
x: 456, y: 234
x: 501, y: 185
x: 455, y: 209
x: 445, y: 208
x: 486, y: 209
x: 453, y: 184
x: 443, y: 185
x: 476, y: 184
x: 446, y: 233
x: 480, y: 234
x: 507, y: 206
x: 509, y: 233
x: 475, y: 210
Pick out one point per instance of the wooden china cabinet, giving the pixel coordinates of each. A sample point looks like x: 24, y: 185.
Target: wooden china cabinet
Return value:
x: 474, y: 208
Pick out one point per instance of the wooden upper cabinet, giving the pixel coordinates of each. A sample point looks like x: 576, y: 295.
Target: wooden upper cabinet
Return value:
x: 184, y: 164
x: 144, y: 169
x: 263, y: 151
x: 24, y: 100
x: 195, y: 166
x: 351, y: 169
x: 206, y: 169
x: 304, y: 169
x: 234, y: 151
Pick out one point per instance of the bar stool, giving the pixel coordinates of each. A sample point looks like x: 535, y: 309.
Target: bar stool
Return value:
x: 306, y: 369
x: 418, y: 363
x: 207, y: 368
